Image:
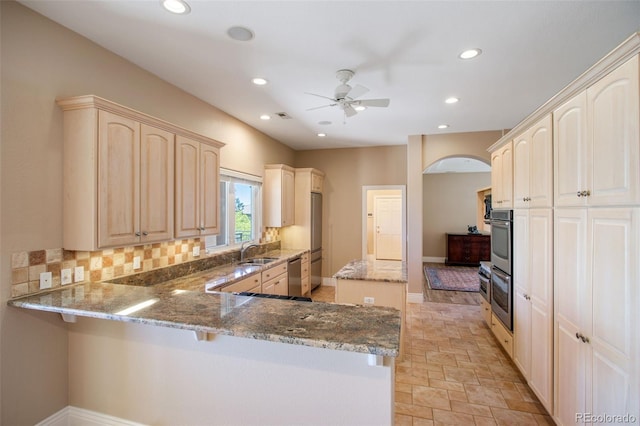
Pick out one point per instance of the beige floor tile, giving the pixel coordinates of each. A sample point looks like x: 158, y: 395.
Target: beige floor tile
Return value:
x: 414, y: 410
x: 422, y: 422
x: 431, y: 397
x: 484, y: 421
x: 511, y: 417
x: 473, y: 409
x: 443, y: 417
x: 460, y: 375
x: 445, y: 384
x: 529, y: 407
x: 485, y: 396
x: 403, y: 420
x: 457, y: 396
x: 404, y: 397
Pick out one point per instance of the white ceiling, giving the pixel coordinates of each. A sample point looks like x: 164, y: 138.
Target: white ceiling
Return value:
x: 402, y: 50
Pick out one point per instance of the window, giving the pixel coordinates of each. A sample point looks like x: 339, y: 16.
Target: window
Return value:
x: 240, y: 214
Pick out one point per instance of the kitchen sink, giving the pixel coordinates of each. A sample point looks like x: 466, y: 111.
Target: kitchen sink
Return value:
x: 259, y: 261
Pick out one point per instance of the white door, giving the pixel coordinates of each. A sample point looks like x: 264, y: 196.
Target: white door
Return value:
x: 388, y: 227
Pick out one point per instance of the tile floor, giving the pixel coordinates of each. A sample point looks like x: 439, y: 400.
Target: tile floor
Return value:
x: 454, y: 372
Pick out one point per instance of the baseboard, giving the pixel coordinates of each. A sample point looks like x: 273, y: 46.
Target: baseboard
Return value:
x: 73, y: 416
x: 431, y: 259
x: 329, y: 282
x: 415, y: 297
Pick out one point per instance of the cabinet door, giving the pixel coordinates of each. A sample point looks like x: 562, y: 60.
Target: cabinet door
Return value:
x: 541, y: 304
x: 187, y: 181
x: 156, y: 184
x: 541, y: 164
x: 571, y: 313
x: 210, y: 189
x: 317, y: 181
x: 521, y: 153
x: 507, y: 177
x: 613, y: 110
x: 522, y: 306
x: 288, y: 198
x: 570, y: 151
x: 613, y: 330
x: 118, y: 180
x: 496, y: 179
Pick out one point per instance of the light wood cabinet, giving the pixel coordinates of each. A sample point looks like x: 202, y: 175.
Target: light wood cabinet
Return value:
x: 279, y: 195
x: 305, y: 272
x: 502, y: 177
x: 485, y: 307
x: 197, y: 188
x: 251, y: 284
x: 532, y: 166
x: 533, y: 300
x: 275, y: 280
x: 503, y: 336
x: 307, y: 180
x: 596, y: 150
x: 118, y: 175
x: 597, y: 338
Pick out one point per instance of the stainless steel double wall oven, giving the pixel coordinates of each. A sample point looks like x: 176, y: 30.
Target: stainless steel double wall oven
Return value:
x: 502, y: 263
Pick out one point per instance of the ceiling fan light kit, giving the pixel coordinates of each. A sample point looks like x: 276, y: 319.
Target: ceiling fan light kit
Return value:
x: 346, y: 96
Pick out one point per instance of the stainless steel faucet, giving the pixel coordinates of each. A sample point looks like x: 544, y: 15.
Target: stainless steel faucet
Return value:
x: 243, y: 249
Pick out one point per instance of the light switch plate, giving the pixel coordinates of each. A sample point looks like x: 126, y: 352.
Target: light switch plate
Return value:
x: 196, y: 251
x: 369, y: 300
x: 79, y: 274
x: 45, y: 280
x: 136, y: 262
x: 65, y: 276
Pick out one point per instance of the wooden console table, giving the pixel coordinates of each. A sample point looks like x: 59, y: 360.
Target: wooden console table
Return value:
x: 468, y: 249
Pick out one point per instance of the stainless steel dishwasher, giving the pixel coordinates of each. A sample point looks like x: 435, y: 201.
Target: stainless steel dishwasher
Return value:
x: 295, y: 277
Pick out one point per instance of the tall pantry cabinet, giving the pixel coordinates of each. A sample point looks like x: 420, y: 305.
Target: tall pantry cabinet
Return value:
x: 596, y: 245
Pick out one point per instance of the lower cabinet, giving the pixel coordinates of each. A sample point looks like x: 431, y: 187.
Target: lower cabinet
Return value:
x: 251, y: 284
x: 503, y: 335
x: 305, y: 274
x: 486, y: 311
x: 275, y: 280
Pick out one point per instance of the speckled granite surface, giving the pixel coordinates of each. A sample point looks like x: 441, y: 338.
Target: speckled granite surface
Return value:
x: 182, y: 303
x: 374, y: 270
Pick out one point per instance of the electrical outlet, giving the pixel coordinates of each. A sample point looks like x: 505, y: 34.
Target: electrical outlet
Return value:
x: 45, y: 280
x: 196, y: 251
x: 65, y: 276
x: 136, y: 262
x: 79, y: 274
x: 369, y: 300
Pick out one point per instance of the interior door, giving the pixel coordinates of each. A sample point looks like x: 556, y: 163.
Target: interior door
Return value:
x: 388, y: 227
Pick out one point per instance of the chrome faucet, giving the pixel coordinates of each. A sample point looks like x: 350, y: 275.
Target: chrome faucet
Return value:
x: 243, y: 249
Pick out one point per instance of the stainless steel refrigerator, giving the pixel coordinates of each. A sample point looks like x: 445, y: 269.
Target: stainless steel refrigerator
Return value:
x: 316, y: 240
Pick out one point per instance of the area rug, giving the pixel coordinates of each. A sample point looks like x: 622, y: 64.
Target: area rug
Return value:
x: 455, y: 278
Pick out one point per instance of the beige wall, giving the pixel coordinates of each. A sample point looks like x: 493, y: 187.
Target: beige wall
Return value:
x: 448, y: 205
x: 470, y: 144
x: 41, y: 61
x: 346, y: 172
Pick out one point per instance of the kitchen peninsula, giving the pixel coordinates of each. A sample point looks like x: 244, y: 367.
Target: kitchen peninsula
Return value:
x: 254, y: 360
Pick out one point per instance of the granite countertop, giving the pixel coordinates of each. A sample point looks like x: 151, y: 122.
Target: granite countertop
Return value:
x: 182, y: 303
x: 374, y: 270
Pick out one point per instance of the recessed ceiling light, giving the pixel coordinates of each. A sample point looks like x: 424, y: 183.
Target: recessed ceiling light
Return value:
x: 259, y: 81
x: 451, y: 100
x: 265, y: 117
x: 179, y: 7
x: 470, y: 53
x: 360, y: 108
x: 240, y: 33
x: 443, y: 126
x: 322, y: 135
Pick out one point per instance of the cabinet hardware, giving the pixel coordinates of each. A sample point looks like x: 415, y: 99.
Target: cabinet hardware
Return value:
x: 579, y: 194
x: 138, y: 234
x: 145, y: 233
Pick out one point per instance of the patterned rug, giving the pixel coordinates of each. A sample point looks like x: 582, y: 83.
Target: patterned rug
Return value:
x: 456, y: 278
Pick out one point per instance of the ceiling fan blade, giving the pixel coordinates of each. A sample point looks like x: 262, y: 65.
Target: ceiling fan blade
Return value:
x: 323, y: 106
x: 357, y: 91
x: 373, y: 102
x: 349, y: 111
x: 320, y: 96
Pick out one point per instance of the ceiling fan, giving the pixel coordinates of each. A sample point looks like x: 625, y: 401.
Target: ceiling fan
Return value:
x: 346, y: 97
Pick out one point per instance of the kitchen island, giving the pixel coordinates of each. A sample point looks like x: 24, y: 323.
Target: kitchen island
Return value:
x: 133, y: 354
x: 373, y: 282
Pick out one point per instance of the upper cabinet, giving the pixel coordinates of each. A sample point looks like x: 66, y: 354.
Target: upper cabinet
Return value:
x: 502, y: 177
x: 197, y: 188
x: 596, y: 150
x: 317, y: 180
x: 532, y: 166
x: 118, y: 176
x: 307, y: 181
x: 279, y: 195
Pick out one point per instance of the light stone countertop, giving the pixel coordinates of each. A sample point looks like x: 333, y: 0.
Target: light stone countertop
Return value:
x: 374, y: 270
x: 182, y: 303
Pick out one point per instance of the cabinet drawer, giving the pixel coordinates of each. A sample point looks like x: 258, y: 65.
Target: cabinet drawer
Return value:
x: 306, y: 256
x: 502, y: 334
x: 306, y: 286
x: 486, y: 311
x: 274, y: 271
x: 277, y: 285
x: 246, y: 284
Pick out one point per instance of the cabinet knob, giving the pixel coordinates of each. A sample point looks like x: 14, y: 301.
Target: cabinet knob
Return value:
x: 579, y: 194
x: 138, y: 234
x: 145, y: 233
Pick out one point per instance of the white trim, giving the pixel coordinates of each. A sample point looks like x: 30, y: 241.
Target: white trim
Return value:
x: 240, y: 175
x: 432, y: 259
x: 73, y: 416
x: 403, y: 190
x: 415, y: 297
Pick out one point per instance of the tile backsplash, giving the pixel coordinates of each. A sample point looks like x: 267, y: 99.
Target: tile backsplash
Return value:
x: 106, y: 264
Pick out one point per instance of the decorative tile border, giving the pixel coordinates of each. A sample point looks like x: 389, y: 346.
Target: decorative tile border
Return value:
x: 108, y: 264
